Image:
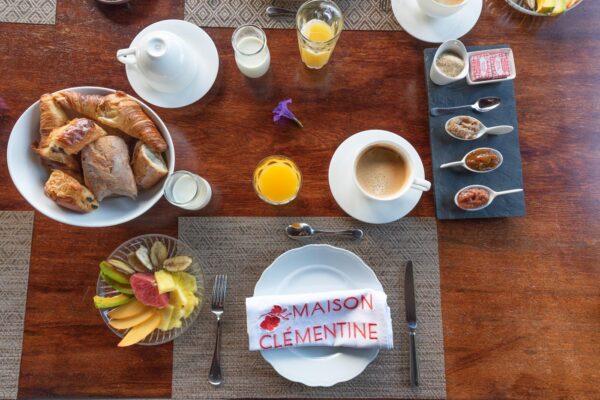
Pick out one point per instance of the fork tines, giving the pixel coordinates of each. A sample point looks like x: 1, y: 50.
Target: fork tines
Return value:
x: 219, y: 291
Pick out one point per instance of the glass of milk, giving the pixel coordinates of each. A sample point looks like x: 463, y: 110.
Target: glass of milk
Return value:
x: 187, y: 190
x: 251, y: 52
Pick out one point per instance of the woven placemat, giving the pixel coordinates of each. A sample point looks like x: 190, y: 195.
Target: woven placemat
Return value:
x: 359, y: 15
x: 15, y: 248
x: 28, y: 11
x: 243, y: 247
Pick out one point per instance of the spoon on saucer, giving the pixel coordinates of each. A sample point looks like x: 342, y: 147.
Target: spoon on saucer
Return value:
x: 302, y: 230
x: 478, y: 197
x: 492, y: 130
x: 280, y: 12
x: 484, y: 104
x: 478, y: 155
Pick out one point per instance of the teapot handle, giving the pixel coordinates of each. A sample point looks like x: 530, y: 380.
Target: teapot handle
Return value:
x: 127, y: 56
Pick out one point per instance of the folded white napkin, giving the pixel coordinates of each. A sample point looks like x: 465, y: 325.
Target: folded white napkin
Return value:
x: 350, y: 318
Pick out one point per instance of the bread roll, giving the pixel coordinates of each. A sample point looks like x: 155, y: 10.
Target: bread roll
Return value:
x: 148, y: 166
x: 106, y: 169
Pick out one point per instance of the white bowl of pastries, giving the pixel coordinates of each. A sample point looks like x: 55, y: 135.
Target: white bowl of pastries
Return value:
x: 90, y: 156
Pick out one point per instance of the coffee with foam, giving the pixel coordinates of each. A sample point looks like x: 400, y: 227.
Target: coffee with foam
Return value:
x: 382, y: 172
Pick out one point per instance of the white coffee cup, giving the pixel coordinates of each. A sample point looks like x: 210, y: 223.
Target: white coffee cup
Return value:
x: 164, y: 59
x: 411, y: 182
x: 436, y: 9
x: 449, y: 46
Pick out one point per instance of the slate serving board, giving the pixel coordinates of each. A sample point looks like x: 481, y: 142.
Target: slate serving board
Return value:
x: 446, y: 182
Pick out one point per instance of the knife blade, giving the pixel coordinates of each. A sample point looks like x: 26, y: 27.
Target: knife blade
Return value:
x: 411, y: 320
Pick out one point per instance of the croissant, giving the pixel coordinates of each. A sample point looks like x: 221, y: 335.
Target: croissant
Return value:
x: 116, y: 110
x: 52, y: 116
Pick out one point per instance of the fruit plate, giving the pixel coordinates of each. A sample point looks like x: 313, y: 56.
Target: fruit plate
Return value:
x: 175, y: 247
x: 517, y: 5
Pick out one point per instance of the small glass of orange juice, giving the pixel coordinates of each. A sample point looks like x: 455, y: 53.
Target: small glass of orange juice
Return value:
x: 277, y: 180
x: 319, y: 24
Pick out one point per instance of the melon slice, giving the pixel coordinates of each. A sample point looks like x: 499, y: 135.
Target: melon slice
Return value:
x: 139, y: 332
x: 128, y: 310
x: 132, y: 321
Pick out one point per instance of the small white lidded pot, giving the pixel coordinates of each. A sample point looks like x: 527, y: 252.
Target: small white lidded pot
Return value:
x: 450, y: 46
x: 164, y: 59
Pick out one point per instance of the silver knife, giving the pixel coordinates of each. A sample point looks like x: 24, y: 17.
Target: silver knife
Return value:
x: 411, y: 319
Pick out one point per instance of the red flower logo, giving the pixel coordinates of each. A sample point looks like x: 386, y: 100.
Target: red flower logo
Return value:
x: 270, y: 323
x: 273, y: 318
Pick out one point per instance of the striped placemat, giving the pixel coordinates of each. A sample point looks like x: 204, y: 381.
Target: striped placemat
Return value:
x: 15, y: 248
x: 359, y: 15
x: 243, y: 247
x: 28, y: 11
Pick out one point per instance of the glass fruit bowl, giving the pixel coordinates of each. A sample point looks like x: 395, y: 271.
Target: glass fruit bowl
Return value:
x: 174, y: 247
x: 519, y: 5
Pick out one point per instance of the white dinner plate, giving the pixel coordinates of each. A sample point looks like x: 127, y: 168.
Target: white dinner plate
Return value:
x: 29, y: 175
x: 436, y: 30
x: 208, y: 65
x: 348, y: 195
x: 309, y: 269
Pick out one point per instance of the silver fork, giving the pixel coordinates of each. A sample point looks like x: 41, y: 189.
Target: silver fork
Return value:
x: 384, y: 5
x: 218, y: 299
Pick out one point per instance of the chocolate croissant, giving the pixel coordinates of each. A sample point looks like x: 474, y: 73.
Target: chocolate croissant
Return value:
x: 116, y: 110
x: 74, y: 136
x: 69, y: 193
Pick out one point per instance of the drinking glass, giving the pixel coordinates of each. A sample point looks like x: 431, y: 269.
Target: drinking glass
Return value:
x: 187, y: 190
x: 251, y: 51
x: 277, y: 180
x: 318, y: 25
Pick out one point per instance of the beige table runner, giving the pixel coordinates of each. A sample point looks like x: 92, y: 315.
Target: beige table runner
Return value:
x: 243, y: 247
x: 15, y: 248
x: 28, y: 11
x: 360, y: 15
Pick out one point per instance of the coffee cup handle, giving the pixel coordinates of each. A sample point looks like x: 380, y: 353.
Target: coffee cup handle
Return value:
x: 421, y: 184
x: 127, y: 56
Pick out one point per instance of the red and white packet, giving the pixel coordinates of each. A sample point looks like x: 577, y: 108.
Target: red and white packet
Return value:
x: 349, y: 318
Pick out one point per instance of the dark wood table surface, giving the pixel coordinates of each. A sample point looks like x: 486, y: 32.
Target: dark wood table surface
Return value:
x: 520, y: 297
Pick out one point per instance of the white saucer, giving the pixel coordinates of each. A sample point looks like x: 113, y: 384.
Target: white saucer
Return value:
x: 435, y: 30
x: 317, y: 268
x: 208, y: 66
x: 351, y: 199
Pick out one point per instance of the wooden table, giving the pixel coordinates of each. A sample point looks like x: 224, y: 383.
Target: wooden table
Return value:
x: 520, y: 296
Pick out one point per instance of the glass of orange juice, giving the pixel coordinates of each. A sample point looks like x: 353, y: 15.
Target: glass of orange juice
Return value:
x: 318, y: 24
x: 277, y: 180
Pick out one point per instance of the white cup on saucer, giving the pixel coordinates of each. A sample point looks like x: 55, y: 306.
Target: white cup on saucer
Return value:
x: 384, y: 171
x: 164, y: 60
x: 441, y: 8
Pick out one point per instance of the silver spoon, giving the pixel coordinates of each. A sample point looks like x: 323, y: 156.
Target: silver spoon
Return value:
x: 492, y: 130
x: 484, y: 104
x: 491, y: 196
x: 463, y: 162
x: 301, y: 230
x: 280, y: 12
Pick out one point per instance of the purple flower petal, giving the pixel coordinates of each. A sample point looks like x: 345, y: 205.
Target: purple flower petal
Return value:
x: 3, y: 106
x: 282, y: 111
